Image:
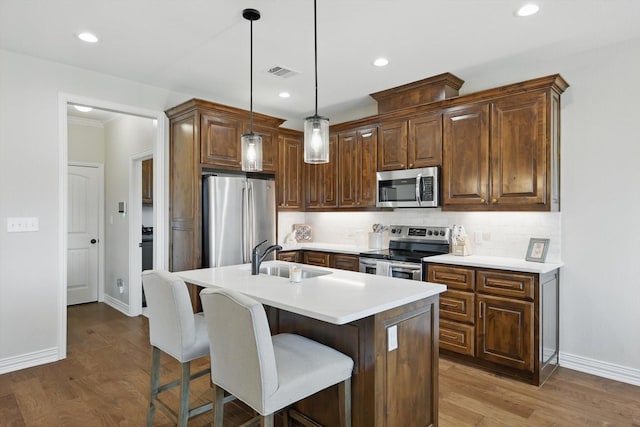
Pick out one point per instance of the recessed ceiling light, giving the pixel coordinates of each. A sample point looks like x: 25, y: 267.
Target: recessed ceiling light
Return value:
x: 381, y: 62
x: 528, y: 10
x: 82, y: 108
x: 284, y: 94
x: 88, y: 37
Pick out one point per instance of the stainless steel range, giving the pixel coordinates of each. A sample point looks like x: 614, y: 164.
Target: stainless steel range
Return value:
x: 407, y: 246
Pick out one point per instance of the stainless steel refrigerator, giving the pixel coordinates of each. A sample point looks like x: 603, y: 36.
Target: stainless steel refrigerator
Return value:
x: 239, y: 213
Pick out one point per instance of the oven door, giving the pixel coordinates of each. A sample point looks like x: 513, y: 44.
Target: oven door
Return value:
x: 402, y: 270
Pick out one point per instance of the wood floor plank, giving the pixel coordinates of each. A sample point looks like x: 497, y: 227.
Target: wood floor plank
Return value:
x: 105, y: 382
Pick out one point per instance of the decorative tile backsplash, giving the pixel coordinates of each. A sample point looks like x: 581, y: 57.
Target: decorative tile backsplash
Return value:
x: 504, y: 234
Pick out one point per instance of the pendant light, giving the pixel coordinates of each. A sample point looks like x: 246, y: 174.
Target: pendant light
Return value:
x: 316, y: 128
x: 251, y: 143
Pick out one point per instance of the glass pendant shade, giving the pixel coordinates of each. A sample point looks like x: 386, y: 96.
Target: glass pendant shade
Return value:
x: 316, y: 139
x: 251, y: 152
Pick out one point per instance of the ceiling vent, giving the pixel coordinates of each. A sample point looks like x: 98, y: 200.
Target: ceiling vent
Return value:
x: 280, y: 71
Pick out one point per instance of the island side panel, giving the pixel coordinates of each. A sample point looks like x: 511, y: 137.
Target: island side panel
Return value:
x: 393, y: 388
x: 407, y: 376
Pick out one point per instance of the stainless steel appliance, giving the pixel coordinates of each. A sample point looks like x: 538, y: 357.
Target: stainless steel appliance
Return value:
x: 407, y: 246
x: 408, y: 188
x: 239, y: 213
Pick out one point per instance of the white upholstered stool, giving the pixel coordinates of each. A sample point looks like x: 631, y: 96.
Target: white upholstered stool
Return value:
x: 267, y: 373
x: 176, y: 331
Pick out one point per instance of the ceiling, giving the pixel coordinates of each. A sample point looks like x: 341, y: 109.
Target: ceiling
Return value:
x: 201, y: 47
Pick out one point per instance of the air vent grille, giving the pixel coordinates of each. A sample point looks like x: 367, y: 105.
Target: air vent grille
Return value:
x: 280, y: 71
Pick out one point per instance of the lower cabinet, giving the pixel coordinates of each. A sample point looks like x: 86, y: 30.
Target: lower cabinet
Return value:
x: 322, y: 259
x: 501, y: 320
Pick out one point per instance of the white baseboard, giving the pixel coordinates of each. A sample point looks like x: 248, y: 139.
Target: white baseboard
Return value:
x: 29, y: 360
x: 601, y: 369
x: 117, y: 304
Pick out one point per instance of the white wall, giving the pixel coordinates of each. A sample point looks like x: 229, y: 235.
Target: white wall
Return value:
x: 85, y: 141
x: 30, y: 186
x: 125, y: 137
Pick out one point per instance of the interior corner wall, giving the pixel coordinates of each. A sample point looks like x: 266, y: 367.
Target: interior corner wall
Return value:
x: 124, y: 137
x: 29, y: 187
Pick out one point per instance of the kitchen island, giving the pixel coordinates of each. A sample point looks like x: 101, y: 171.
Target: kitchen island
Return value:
x: 388, y: 326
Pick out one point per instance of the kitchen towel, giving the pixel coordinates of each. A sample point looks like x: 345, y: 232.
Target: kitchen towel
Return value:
x: 383, y: 268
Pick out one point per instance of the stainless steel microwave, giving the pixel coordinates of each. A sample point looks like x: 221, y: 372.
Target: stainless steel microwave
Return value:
x: 408, y: 188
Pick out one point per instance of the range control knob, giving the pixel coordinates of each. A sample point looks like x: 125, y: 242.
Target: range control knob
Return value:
x: 442, y: 232
x: 429, y: 232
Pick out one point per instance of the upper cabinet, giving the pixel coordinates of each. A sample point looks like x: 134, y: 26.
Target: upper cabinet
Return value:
x: 321, y: 189
x: 290, y: 171
x: 503, y: 153
x: 147, y: 182
x: 357, y: 152
x: 412, y: 143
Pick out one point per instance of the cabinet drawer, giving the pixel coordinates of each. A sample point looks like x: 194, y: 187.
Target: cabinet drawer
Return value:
x: 458, y: 305
x: 346, y: 262
x: 322, y: 259
x: 514, y: 285
x: 457, y: 337
x: 453, y: 277
x: 290, y: 256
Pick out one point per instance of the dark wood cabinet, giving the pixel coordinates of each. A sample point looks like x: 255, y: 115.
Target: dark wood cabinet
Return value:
x: 465, y: 168
x: 503, y: 153
x: 290, y: 171
x: 357, y: 159
x: 505, y: 321
x: 346, y: 262
x: 202, y: 136
x: 321, y: 259
x: 147, y: 182
x: 412, y: 143
x: 269, y: 146
x: 289, y: 256
x: 321, y: 189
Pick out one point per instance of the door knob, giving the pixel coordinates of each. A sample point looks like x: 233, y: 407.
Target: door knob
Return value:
x: 94, y: 241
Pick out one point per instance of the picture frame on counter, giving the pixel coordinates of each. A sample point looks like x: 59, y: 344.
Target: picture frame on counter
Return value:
x: 537, y: 251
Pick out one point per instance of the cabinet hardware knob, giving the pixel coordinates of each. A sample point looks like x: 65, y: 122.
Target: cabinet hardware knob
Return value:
x: 482, y: 200
x: 402, y: 165
x: 410, y: 165
x: 494, y: 200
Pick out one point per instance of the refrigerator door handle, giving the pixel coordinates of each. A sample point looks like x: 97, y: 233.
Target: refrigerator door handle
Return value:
x: 213, y: 260
x: 252, y: 218
x: 245, y: 243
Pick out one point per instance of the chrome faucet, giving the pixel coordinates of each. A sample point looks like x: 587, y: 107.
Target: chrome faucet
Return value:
x: 257, y: 260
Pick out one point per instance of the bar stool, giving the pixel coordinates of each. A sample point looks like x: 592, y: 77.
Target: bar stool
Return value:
x: 176, y: 331
x: 267, y: 373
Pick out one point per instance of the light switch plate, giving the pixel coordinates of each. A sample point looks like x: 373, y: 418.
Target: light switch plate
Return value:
x: 22, y: 224
x: 392, y: 338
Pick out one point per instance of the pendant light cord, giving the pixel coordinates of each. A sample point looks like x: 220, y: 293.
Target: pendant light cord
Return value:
x: 251, y: 81
x: 315, y: 46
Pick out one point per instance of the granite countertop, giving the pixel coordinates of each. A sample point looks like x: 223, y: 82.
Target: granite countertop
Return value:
x: 339, y: 297
x: 503, y: 263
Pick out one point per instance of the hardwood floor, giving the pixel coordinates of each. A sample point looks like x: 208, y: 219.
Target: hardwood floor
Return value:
x: 105, y: 381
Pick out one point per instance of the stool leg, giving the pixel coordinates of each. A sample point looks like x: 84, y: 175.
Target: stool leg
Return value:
x: 218, y: 415
x: 155, y: 378
x: 344, y: 393
x: 185, y: 377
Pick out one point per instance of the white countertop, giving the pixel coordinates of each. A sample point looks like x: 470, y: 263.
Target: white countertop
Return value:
x: 340, y: 297
x: 342, y: 248
x: 503, y: 263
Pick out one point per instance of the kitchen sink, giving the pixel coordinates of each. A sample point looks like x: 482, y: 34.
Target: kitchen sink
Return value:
x: 283, y: 271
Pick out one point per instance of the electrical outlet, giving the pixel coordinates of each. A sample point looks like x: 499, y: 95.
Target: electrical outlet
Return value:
x: 120, y: 285
x: 392, y: 338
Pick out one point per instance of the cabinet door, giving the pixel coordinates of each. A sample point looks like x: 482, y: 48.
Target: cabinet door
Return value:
x: 346, y: 262
x: 392, y: 146
x: 454, y: 277
x: 519, y: 161
x: 147, y: 182
x: 290, y: 172
x: 506, y: 284
x: 321, y: 180
x: 458, y: 306
x: 457, y: 337
x: 504, y: 332
x: 290, y: 256
x: 322, y: 259
x: 348, y: 160
x: 424, y: 145
x: 366, y: 173
x: 220, y: 137
x: 465, y: 158
x: 269, y: 146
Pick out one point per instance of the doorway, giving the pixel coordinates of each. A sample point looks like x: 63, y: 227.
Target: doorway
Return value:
x: 119, y: 288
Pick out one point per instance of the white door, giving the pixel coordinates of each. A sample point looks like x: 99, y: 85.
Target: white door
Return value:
x: 82, y: 234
